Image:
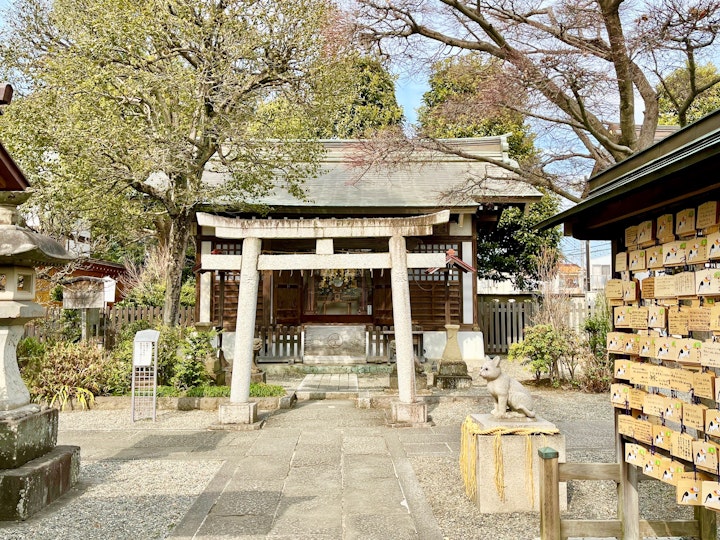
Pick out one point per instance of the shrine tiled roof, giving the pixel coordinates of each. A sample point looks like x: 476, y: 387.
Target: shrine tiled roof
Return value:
x: 425, y: 180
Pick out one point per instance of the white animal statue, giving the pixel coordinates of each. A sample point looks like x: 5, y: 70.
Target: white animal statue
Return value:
x: 507, y: 392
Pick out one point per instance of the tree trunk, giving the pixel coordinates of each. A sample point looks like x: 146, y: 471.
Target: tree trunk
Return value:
x: 177, y: 238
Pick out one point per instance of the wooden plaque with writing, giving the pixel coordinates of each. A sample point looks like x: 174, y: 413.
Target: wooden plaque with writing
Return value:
x: 665, y: 287
x: 699, y: 319
x: 678, y: 320
x: 707, y: 215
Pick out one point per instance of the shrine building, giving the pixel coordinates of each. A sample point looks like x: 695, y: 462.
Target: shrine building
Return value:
x: 324, y: 267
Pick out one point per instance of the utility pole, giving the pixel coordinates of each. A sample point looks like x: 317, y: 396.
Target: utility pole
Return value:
x: 587, y: 265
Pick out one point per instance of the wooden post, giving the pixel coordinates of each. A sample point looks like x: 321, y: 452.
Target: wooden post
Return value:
x: 628, y: 503
x: 707, y: 523
x: 549, y: 494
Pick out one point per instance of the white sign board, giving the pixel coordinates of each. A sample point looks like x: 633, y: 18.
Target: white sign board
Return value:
x: 143, y: 347
x: 143, y: 353
x: 83, y: 299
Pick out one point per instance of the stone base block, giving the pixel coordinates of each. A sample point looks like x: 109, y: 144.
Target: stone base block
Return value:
x: 26, y: 433
x: 452, y: 368
x: 238, y: 413
x: 257, y: 376
x: 26, y: 490
x: 451, y: 382
x: 515, y: 479
x: 421, y: 381
x: 408, y: 413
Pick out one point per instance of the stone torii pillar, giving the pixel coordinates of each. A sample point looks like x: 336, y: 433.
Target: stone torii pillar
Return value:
x: 241, y: 410
x: 408, y: 410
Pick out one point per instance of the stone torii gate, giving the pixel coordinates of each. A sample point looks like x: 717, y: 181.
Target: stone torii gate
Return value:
x: 407, y: 410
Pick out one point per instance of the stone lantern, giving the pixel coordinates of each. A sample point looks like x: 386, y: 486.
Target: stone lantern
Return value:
x: 33, y: 470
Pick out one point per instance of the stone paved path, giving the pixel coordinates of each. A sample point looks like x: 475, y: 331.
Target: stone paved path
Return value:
x: 322, y: 470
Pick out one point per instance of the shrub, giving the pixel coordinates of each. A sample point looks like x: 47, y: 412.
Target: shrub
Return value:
x: 67, y: 372
x: 541, y: 349
x: 119, y: 379
x: 29, y: 347
x: 169, y: 349
x: 168, y: 391
x: 189, y: 368
x: 266, y: 390
x: 598, y: 372
x: 181, y: 355
x: 208, y: 391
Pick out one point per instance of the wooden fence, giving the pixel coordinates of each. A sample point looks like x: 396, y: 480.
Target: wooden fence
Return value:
x: 280, y: 343
x: 503, y: 323
x: 629, y: 526
x: 108, y: 325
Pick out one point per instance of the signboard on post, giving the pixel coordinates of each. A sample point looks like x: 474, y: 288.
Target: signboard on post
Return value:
x: 144, y: 375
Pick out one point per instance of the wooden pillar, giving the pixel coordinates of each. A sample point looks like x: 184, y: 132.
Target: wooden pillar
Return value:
x: 628, y: 502
x: 707, y: 521
x: 221, y: 301
x: 205, y: 286
x: 245, y: 325
x: 402, y: 319
x: 549, y: 494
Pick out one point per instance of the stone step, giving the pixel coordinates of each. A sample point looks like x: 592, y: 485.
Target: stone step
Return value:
x: 26, y: 490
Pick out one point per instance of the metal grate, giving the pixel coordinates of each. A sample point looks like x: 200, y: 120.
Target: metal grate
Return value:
x: 144, y: 393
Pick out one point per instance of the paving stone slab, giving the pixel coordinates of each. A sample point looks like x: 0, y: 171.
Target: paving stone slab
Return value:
x: 273, y: 446
x: 380, y: 527
x: 383, y: 496
x: 259, y: 467
x: 309, y: 515
x: 364, y: 445
x: 314, y: 455
x: 314, y: 481
x: 368, y: 467
x: 235, y: 526
x: 430, y: 449
x: 246, y: 502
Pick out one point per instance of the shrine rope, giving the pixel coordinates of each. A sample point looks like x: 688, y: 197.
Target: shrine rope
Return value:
x: 468, y: 455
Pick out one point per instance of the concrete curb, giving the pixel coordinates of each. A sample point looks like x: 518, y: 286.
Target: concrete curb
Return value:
x: 194, y: 403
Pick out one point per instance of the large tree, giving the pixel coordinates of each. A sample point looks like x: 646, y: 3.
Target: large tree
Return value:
x: 591, y: 67
x: 455, y: 106
x: 135, y: 100
x: 680, y: 104
x: 361, y: 101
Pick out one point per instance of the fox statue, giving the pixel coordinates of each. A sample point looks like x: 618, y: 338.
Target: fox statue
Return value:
x: 507, y: 392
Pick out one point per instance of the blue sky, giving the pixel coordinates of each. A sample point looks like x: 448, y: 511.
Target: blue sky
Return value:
x: 409, y: 90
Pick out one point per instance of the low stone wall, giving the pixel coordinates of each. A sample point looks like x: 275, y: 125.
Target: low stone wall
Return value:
x: 192, y: 403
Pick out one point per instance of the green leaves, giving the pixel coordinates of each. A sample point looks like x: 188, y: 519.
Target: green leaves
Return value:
x: 510, y: 250
x: 126, y: 104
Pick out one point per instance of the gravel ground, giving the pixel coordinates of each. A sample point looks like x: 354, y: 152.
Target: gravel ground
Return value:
x: 118, y: 499
x: 460, y: 519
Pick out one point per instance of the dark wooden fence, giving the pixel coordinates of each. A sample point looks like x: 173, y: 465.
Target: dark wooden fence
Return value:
x: 279, y: 343
x: 111, y: 321
x: 503, y: 323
